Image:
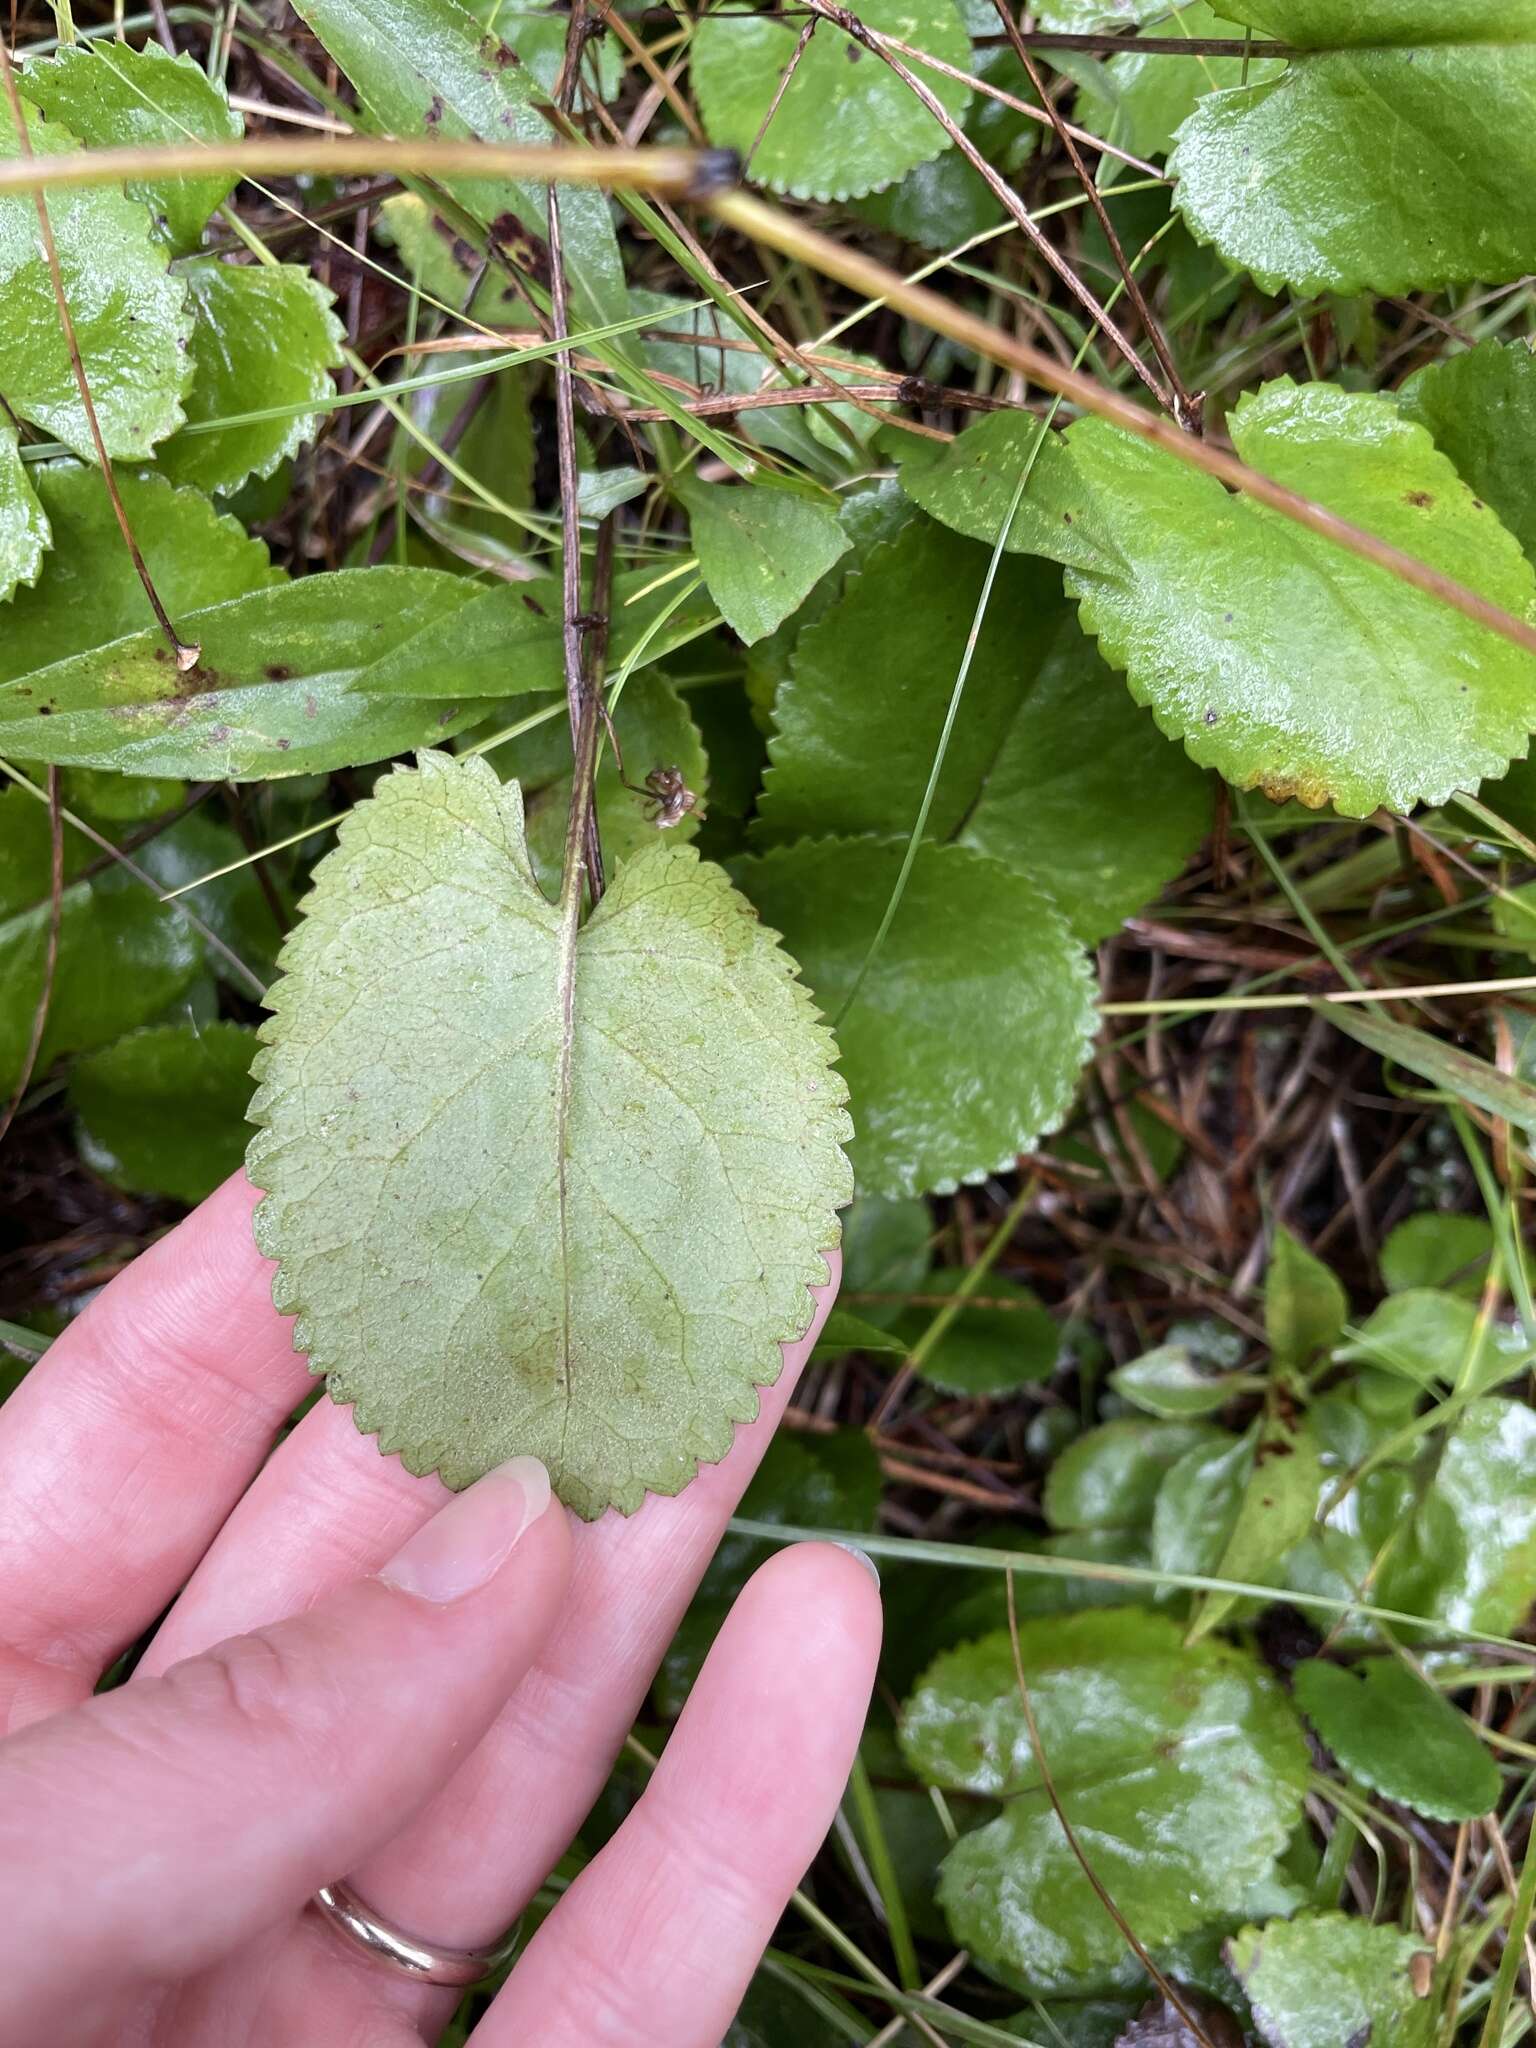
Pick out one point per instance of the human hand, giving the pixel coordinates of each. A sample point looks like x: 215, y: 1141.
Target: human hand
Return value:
x: 423, y: 1693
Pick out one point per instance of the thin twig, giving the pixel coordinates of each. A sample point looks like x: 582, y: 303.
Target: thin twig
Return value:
x: 842, y: 17
x: 1187, y: 410
x: 802, y: 43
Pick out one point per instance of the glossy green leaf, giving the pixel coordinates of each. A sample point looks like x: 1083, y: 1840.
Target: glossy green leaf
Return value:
x: 1480, y: 406
x: 1356, y: 169
x: 1275, y: 1510
x: 1086, y: 17
x: 162, y: 1112
x: 1399, y: 1737
x: 1182, y: 1772
x: 1321, y: 1980
x: 270, y: 696
x: 846, y: 124
x: 1009, y: 1340
x: 654, y: 732
x: 24, y: 531
x: 1109, y: 1477
x: 1039, y: 758
x: 885, y: 1255
x: 1304, y: 1304
x: 266, y: 338
x: 1233, y: 625
x: 1138, y: 99
x: 589, y: 1176
x: 424, y: 67
x: 843, y: 1332
x: 506, y: 638
x: 1428, y: 1337
x: 110, y: 95
x: 1455, y: 1542
x: 760, y: 550
x: 935, y: 1102
x: 88, y: 592
x: 1198, y: 1501
x: 132, y: 319
x: 1435, y: 1250
x: 123, y: 955
x: 1167, y: 1382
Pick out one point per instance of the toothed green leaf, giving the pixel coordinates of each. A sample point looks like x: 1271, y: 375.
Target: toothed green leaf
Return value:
x: 113, y: 96
x: 1398, y: 154
x: 534, y: 1189
x: 845, y: 124
x: 131, y: 317
x: 266, y: 339
x: 935, y: 1100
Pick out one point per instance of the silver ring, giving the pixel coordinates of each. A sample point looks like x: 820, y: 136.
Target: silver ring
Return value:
x: 384, y: 1943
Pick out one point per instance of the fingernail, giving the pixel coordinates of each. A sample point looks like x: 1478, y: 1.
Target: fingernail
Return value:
x: 467, y: 1542
x: 864, y: 1558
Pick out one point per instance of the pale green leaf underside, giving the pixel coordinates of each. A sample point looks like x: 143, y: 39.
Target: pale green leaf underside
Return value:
x: 265, y: 338
x: 504, y: 1234
x: 1406, y: 166
x: 110, y: 95
x: 846, y: 124
x: 131, y: 317
x: 24, y: 532
x: 1181, y: 1769
x: 271, y: 695
x: 1279, y: 659
x: 1323, y: 1978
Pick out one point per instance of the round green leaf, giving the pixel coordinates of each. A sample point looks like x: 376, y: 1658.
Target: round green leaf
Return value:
x: 266, y: 339
x: 1010, y: 1342
x: 113, y: 96
x: 1426, y: 1336
x: 535, y: 1189
x: 1322, y: 1980
x: 935, y: 1101
x: 846, y: 124
x: 1109, y: 1477
x: 1399, y: 1737
x: 88, y: 592
x: 132, y: 320
x: 162, y: 1111
x: 1435, y: 1250
x: 1182, y: 1772
x: 271, y: 694
x: 1039, y: 757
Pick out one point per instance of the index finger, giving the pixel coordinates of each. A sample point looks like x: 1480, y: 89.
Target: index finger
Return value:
x: 125, y: 1447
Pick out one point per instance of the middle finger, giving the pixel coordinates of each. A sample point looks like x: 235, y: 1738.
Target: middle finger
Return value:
x: 329, y: 1507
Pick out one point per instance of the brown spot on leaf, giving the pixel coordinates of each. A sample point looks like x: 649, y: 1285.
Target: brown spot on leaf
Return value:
x: 1423, y: 499
x: 311, y: 708
x: 434, y: 114
x: 283, y: 746
x: 277, y: 672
